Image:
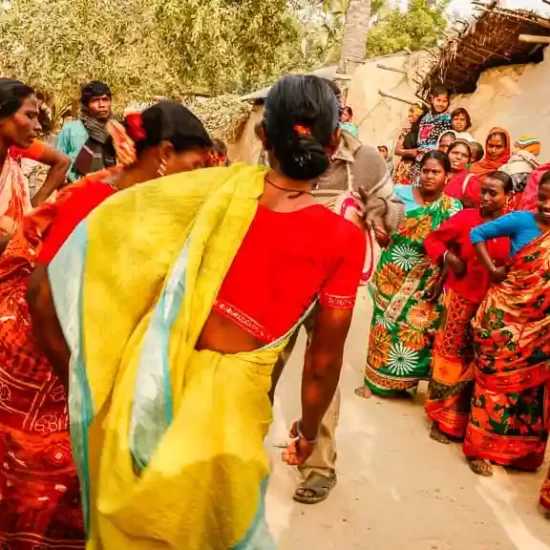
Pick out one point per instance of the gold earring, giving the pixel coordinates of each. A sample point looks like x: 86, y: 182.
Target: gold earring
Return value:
x: 162, y: 169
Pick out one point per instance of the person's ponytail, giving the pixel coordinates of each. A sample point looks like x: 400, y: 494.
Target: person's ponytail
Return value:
x: 301, y: 156
x: 301, y: 115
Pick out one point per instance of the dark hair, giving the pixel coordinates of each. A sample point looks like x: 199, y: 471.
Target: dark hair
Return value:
x: 440, y: 90
x: 442, y: 158
x: 462, y: 111
x: 347, y: 109
x: 12, y: 95
x: 219, y: 147
x: 545, y: 178
x: 383, y: 147
x: 504, y: 178
x: 167, y: 121
x: 476, y: 147
x: 411, y: 139
x: 300, y: 117
x: 334, y: 87
x: 458, y: 142
x: 501, y: 134
x: 448, y: 133
x: 95, y: 88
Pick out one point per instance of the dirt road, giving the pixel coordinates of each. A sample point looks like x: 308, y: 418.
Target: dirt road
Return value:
x: 397, y: 489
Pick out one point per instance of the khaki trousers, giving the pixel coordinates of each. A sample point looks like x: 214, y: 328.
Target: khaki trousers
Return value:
x: 323, y: 458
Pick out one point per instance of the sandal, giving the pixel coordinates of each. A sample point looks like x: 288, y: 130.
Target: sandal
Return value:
x: 481, y: 467
x: 315, y: 488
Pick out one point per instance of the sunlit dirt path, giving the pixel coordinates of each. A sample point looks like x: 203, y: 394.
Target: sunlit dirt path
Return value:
x: 397, y: 488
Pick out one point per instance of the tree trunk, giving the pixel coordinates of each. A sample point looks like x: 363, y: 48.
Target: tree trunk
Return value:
x: 354, y: 41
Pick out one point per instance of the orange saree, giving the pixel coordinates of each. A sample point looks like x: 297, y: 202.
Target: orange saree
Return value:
x: 511, y: 402
x: 39, y: 490
x: 450, y: 389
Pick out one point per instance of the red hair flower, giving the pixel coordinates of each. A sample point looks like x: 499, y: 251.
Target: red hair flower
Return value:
x: 135, y: 126
x: 302, y: 130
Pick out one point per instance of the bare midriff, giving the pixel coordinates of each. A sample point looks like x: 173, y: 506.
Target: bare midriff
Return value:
x: 222, y: 335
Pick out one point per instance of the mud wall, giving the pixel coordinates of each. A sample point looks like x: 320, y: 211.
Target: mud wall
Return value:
x: 515, y: 97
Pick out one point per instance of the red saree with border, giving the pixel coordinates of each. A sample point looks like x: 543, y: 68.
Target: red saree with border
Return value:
x: 40, y: 505
x: 511, y: 402
x: 450, y: 389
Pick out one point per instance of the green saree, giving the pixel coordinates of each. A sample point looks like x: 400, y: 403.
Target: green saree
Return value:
x: 404, y: 320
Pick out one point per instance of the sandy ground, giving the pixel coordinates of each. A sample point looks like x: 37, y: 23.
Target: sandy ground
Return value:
x: 397, y: 488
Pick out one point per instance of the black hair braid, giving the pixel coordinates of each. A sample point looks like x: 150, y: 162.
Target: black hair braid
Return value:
x: 301, y: 114
x: 301, y: 157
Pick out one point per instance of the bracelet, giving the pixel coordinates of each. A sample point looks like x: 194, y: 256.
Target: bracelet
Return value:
x: 301, y: 435
x: 445, y: 255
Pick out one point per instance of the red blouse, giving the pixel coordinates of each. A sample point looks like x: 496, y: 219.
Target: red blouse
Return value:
x: 70, y: 212
x: 469, y: 192
x: 34, y: 152
x: 287, y: 260
x: 454, y: 236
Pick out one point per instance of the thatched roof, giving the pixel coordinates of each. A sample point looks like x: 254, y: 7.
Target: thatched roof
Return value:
x: 490, y: 39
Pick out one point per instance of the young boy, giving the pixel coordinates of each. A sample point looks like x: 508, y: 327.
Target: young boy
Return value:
x: 385, y: 152
x: 461, y: 122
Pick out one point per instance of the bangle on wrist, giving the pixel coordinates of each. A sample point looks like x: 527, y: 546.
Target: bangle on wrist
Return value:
x: 301, y: 435
x: 445, y: 256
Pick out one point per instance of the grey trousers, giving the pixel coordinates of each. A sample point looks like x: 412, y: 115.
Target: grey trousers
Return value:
x: 323, y: 458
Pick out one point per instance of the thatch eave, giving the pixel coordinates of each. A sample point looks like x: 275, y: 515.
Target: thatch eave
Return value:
x: 490, y: 39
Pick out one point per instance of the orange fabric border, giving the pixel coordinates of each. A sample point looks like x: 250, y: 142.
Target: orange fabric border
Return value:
x: 514, y: 381
x: 525, y: 452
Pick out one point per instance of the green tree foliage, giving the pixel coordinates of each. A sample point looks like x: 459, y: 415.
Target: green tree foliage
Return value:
x: 324, y: 26
x: 56, y: 45
x: 174, y: 48
x: 230, y: 45
x: 148, y: 48
x: 421, y: 26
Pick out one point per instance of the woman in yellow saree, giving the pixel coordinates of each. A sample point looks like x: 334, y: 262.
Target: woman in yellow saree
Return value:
x: 165, y: 312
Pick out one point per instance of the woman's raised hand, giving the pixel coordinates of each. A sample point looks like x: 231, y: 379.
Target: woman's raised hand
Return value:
x: 298, y: 450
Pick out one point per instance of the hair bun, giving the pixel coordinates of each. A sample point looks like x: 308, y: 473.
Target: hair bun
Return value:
x: 303, y: 158
x: 300, y: 119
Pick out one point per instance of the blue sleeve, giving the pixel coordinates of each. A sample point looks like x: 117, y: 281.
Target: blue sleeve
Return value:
x: 70, y: 141
x: 505, y: 226
x: 405, y: 193
x: 63, y: 141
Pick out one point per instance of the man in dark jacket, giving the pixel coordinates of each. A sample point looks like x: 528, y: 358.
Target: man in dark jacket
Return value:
x: 86, y: 141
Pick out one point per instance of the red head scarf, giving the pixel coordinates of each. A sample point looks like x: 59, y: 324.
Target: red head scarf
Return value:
x: 486, y: 166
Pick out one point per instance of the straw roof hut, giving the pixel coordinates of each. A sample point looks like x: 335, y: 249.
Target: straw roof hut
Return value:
x: 493, y: 38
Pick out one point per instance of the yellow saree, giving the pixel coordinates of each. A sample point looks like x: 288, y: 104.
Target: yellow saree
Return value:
x: 168, y: 441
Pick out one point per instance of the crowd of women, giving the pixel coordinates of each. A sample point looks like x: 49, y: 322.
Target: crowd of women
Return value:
x: 462, y: 292
x: 164, y: 288
x: 133, y: 292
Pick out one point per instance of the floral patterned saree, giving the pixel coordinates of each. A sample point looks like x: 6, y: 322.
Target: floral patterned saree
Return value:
x: 404, y: 320
x: 509, y: 419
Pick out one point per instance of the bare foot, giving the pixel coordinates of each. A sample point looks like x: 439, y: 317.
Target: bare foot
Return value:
x: 481, y: 467
x: 437, y: 435
x: 363, y: 391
